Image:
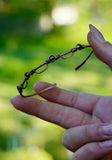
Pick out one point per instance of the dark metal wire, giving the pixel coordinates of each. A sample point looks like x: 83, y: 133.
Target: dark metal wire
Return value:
x: 51, y: 59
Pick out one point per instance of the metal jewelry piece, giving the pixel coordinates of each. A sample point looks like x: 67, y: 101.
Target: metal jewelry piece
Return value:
x: 51, y: 59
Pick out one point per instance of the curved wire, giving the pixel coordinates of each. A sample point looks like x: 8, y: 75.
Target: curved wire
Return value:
x: 51, y: 59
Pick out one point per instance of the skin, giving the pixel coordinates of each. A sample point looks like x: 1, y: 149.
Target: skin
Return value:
x: 82, y: 114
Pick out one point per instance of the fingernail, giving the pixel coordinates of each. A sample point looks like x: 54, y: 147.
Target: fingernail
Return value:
x: 106, y: 130
x: 106, y: 144
x: 96, y: 33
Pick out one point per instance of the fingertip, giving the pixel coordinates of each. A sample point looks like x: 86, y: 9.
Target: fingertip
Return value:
x: 27, y: 105
x: 64, y: 137
x: 95, y: 34
x: 20, y: 102
x: 92, y: 39
x: 66, y: 140
x: 36, y: 86
x: 89, y: 37
x: 40, y: 86
x: 16, y: 101
x: 101, y: 48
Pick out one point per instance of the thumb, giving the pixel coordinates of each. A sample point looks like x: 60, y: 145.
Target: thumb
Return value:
x: 101, y: 48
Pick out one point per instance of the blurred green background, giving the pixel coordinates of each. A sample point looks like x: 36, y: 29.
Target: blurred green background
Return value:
x: 30, y: 31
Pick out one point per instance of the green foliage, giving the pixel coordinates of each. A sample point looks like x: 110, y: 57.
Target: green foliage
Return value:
x: 31, y: 154
x: 23, y: 46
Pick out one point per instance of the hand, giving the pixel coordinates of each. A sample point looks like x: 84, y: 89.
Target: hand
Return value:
x: 71, y: 109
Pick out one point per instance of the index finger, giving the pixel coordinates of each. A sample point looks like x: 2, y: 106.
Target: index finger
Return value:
x: 82, y: 101
x: 61, y: 115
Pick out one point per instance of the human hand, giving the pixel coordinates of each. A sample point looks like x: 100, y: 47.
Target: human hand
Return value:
x: 70, y: 109
x: 91, y: 142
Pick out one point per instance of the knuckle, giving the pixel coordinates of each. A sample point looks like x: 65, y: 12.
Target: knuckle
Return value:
x: 74, y: 100
x: 92, y: 132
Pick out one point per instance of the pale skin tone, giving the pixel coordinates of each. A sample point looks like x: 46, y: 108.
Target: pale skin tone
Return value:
x: 81, y: 114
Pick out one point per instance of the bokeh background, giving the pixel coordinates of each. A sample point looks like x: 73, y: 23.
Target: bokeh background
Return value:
x: 30, y: 31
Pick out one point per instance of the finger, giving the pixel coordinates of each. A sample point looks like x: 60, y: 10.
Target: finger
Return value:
x: 102, y: 49
x: 93, y: 151
x: 76, y: 137
x: 82, y: 101
x: 107, y: 157
x: 52, y: 112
